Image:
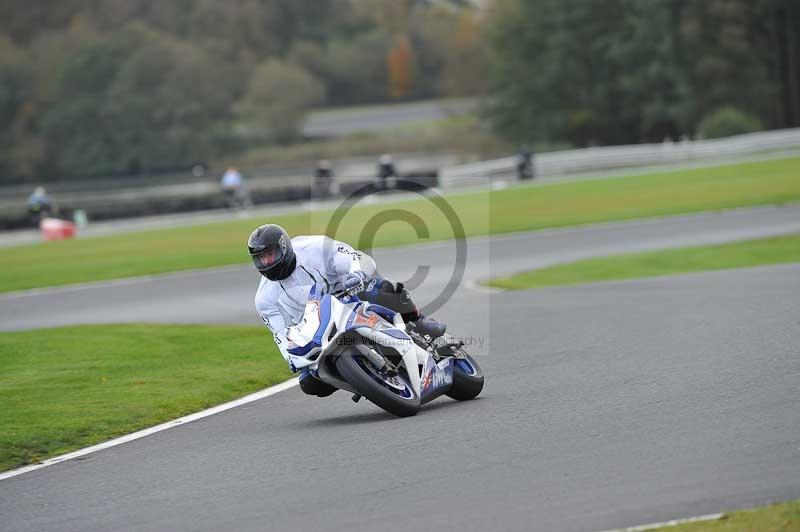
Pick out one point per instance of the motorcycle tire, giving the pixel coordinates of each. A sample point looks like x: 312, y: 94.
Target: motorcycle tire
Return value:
x: 467, y: 379
x: 399, y: 399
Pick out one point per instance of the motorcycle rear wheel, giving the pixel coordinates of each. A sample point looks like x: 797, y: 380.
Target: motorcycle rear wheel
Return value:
x: 395, y: 395
x: 467, y: 379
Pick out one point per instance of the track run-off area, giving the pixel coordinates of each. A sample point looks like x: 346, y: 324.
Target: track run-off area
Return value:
x: 606, y: 405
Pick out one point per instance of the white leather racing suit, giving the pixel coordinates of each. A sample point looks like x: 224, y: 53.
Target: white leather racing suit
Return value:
x: 320, y: 260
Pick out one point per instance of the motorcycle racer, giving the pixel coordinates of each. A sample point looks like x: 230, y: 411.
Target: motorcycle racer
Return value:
x: 291, y: 266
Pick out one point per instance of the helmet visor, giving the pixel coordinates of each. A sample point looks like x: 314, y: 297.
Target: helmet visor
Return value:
x: 268, y: 257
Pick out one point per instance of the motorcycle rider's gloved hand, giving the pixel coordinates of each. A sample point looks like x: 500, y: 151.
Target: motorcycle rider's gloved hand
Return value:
x: 355, y: 282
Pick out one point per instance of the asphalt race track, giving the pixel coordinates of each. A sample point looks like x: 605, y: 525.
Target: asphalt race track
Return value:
x: 225, y: 295
x: 606, y: 405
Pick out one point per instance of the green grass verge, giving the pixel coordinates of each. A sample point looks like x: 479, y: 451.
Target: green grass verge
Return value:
x: 502, y: 211
x: 758, y: 252
x: 67, y: 388
x: 783, y: 517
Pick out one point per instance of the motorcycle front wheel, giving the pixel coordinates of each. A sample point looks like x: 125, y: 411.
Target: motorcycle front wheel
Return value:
x: 393, y: 393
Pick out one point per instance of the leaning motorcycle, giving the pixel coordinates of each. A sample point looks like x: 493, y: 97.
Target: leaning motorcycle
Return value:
x: 371, y: 352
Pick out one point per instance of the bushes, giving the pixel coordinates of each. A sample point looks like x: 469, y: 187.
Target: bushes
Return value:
x: 728, y: 121
x: 121, y: 106
x: 277, y: 99
x: 108, y: 88
x: 600, y: 72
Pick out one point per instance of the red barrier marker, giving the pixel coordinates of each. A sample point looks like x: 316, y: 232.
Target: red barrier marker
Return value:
x: 55, y: 229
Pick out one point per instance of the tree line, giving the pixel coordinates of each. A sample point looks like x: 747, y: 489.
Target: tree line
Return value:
x: 595, y: 72
x: 117, y: 87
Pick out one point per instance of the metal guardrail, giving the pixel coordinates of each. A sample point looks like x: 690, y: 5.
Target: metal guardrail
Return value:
x: 609, y: 157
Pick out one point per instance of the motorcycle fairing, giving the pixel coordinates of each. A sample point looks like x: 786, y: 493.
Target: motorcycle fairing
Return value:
x: 370, y: 315
x: 308, y: 334
x: 313, y: 339
x: 437, y: 378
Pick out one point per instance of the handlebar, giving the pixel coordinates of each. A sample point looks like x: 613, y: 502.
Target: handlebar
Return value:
x: 344, y: 293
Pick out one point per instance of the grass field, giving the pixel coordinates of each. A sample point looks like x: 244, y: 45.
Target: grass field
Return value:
x: 783, y: 517
x: 67, y: 388
x: 759, y: 252
x: 503, y: 211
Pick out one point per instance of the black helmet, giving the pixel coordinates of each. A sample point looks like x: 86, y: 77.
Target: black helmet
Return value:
x: 271, y: 249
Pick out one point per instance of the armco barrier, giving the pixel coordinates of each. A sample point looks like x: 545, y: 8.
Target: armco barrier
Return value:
x: 185, y: 198
x: 609, y: 157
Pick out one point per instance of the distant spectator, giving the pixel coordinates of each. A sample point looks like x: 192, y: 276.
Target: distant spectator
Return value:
x: 39, y: 205
x: 324, y: 184
x: 525, y: 168
x: 232, y: 184
x: 386, y: 171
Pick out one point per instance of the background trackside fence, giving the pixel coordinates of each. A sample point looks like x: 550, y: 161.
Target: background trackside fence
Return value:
x: 610, y: 157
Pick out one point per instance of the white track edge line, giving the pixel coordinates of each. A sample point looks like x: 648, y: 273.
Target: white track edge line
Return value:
x: 261, y: 394
x: 673, y: 522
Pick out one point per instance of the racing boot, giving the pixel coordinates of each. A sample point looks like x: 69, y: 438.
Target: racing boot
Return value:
x: 430, y: 327
x: 313, y: 386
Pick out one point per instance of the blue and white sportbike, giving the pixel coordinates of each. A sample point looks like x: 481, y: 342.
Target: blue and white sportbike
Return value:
x: 371, y: 352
